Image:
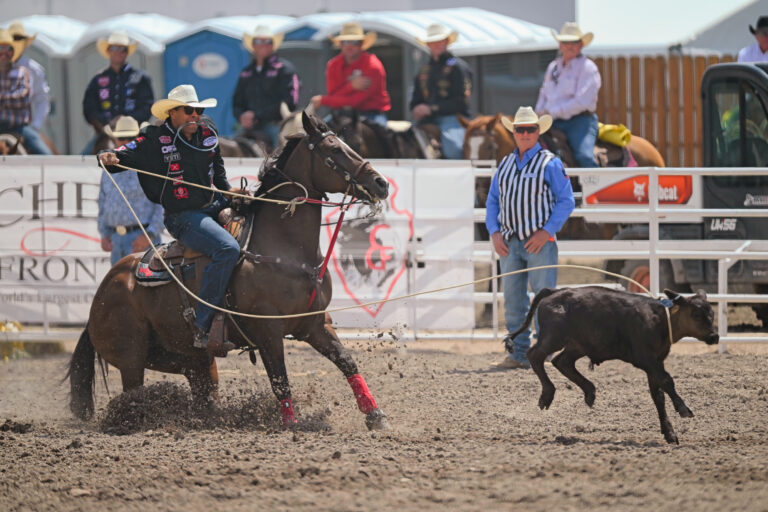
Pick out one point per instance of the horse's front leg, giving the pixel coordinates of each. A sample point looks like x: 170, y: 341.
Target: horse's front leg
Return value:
x: 323, y: 338
x: 273, y: 356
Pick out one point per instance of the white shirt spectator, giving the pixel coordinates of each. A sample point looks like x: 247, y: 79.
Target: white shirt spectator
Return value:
x: 569, y: 90
x: 752, y: 53
x: 39, y: 96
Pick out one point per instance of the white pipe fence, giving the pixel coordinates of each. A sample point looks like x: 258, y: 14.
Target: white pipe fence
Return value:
x: 726, y: 252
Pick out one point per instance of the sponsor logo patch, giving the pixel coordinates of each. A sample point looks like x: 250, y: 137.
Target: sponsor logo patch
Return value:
x: 171, y: 157
x: 103, y: 93
x: 131, y: 145
x: 168, y: 149
x: 164, y: 139
x: 175, y: 167
x: 210, y: 141
x: 103, y: 81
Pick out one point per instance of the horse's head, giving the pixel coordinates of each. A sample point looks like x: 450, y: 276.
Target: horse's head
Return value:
x: 342, y: 168
x: 480, y: 138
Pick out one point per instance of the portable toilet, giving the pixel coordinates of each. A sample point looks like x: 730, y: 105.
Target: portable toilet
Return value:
x: 150, y: 31
x: 508, y: 56
x: 210, y: 55
x: 54, y: 38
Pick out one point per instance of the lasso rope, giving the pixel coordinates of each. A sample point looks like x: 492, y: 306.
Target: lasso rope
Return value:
x: 346, y: 308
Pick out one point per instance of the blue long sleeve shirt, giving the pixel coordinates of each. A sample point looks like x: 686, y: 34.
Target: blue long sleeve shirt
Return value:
x: 556, y: 179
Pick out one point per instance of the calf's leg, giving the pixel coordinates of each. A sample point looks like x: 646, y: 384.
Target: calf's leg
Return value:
x: 658, y: 399
x: 565, y: 361
x: 655, y: 368
x: 536, y: 356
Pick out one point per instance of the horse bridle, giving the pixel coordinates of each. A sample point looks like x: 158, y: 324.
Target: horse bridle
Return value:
x: 351, y: 179
x: 490, y: 135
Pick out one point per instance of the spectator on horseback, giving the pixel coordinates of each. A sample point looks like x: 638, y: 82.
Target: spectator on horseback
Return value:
x: 356, y: 78
x: 264, y: 84
x: 529, y: 200
x: 569, y: 93
x: 15, y: 94
x: 119, y: 90
x: 185, y: 147
x: 757, y: 52
x: 441, y: 90
x: 120, y: 234
x: 39, y: 96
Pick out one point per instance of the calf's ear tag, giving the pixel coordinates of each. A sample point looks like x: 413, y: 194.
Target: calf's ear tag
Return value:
x: 666, y: 303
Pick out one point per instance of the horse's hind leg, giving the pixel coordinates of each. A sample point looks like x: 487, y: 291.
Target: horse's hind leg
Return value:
x: 323, y: 338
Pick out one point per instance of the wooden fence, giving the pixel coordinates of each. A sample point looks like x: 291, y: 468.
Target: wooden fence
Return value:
x: 657, y: 98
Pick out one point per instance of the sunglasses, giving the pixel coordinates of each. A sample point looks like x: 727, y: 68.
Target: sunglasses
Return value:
x: 261, y: 41
x: 526, y: 129
x: 117, y: 48
x: 6, y: 48
x: 19, y: 37
x: 189, y: 110
x: 351, y: 43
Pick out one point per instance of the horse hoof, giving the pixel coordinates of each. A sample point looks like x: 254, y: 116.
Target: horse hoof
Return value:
x: 376, y: 420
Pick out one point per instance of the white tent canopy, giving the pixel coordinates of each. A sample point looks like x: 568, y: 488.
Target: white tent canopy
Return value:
x: 480, y: 31
x: 58, y: 34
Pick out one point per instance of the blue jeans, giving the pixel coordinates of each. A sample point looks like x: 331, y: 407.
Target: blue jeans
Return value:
x: 452, y: 136
x: 273, y: 130
x: 581, y: 131
x: 516, y: 302
x: 121, y: 244
x: 88, y: 149
x: 375, y: 117
x: 198, y: 230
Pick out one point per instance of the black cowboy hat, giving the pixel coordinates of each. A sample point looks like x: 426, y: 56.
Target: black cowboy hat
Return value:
x: 762, y: 22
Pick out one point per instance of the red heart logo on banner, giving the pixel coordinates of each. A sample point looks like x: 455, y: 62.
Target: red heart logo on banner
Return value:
x: 371, y: 254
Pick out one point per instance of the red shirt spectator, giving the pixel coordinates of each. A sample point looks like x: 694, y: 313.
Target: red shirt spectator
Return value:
x: 341, y: 93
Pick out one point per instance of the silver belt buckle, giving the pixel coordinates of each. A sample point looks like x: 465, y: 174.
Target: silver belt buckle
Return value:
x: 121, y: 230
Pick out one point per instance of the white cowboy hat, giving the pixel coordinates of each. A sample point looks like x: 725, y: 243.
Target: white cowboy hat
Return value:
x: 18, y: 31
x: 526, y: 115
x: 125, y: 128
x: 18, y: 46
x: 262, y: 32
x: 571, y: 32
x: 437, y: 32
x: 180, y: 96
x: 352, y: 31
x: 116, y: 39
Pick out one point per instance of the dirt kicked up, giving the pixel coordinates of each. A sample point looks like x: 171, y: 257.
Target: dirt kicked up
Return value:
x: 464, y: 437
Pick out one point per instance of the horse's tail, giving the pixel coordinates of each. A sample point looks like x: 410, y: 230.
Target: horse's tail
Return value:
x: 81, y: 377
x: 546, y: 292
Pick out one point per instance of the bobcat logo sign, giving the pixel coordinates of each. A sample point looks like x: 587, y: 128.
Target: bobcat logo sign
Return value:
x: 371, y: 254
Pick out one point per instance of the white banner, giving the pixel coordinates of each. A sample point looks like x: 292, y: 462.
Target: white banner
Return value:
x: 51, y: 261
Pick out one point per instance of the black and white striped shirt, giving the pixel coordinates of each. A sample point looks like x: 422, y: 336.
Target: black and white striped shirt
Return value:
x: 525, y: 199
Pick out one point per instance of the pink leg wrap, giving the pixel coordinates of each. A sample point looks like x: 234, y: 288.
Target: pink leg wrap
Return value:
x: 365, y: 401
x: 286, y: 408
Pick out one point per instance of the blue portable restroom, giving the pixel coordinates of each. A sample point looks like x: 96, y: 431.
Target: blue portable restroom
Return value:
x: 210, y: 55
x: 150, y: 31
x: 54, y: 38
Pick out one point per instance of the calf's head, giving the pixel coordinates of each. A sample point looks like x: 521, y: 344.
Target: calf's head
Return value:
x: 693, y: 316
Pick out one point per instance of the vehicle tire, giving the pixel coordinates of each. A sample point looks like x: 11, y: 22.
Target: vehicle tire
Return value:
x: 640, y: 271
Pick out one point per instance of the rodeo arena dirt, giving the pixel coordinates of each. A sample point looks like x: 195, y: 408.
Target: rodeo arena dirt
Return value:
x: 464, y: 435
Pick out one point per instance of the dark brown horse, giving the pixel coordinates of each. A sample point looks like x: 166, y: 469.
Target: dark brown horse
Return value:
x: 487, y: 139
x: 135, y: 328
x: 368, y: 139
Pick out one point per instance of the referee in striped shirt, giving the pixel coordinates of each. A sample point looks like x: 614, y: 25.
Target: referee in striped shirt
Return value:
x: 529, y: 201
